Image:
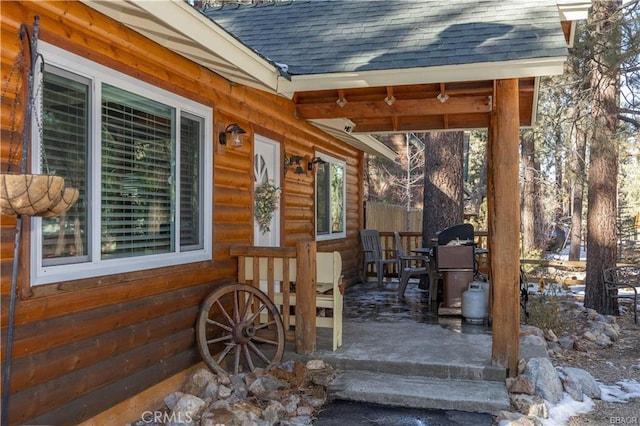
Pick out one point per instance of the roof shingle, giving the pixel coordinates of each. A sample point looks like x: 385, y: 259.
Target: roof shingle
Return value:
x: 334, y: 36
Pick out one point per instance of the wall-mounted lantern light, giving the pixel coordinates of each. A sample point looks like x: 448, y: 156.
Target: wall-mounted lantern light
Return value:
x: 234, y: 133
x: 316, y: 161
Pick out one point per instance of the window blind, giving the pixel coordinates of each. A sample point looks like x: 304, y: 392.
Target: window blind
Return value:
x: 65, y: 128
x: 191, y: 141
x: 138, y: 191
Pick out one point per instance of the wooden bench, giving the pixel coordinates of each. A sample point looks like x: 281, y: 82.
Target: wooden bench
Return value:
x: 275, y: 274
x: 620, y: 278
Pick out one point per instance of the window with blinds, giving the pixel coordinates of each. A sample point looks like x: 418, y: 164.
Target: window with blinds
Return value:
x: 137, y: 155
x: 330, y: 199
x: 190, y: 182
x: 138, y: 145
x: 65, y: 132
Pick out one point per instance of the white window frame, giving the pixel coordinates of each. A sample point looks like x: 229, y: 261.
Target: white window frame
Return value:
x: 331, y: 236
x: 98, y: 74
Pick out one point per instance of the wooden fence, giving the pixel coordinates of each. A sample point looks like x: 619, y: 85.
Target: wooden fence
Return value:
x: 389, y: 217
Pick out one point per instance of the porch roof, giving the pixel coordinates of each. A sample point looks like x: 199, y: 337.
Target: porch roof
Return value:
x: 323, y: 40
x: 400, y: 65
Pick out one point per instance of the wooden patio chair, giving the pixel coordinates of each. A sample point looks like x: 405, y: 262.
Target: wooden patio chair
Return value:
x: 410, y: 265
x: 374, y: 255
x: 623, y: 277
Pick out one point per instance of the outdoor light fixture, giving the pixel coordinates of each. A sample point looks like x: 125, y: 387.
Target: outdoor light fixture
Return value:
x: 442, y: 97
x: 390, y: 99
x: 316, y: 160
x: 236, y: 133
x: 342, y: 101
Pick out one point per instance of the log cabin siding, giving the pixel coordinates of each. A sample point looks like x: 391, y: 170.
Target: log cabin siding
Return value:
x: 82, y: 346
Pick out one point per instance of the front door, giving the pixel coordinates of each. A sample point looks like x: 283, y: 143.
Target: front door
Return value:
x: 266, y: 167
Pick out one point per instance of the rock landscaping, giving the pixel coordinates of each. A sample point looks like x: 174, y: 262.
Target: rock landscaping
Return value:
x: 585, y: 350
x: 585, y: 334
x: 286, y: 394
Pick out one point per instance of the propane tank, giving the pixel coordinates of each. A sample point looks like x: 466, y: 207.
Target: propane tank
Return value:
x: 474, y: 303
x: 485, y: 288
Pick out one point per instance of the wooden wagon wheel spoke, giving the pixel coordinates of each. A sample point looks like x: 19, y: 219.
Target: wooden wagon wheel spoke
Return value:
x: 246, y: 307
x: 219, y: 339
x: 266, y: 325
x: 247, y: 356
x: 219, y: 324
x: 267, y: 341
x: 236, y: 307
x: 224, y: 353
x: 228, y: 326
x: 224, y: 313
x: 236, y: 358
x: 255, y: 315
x: 258, y: 352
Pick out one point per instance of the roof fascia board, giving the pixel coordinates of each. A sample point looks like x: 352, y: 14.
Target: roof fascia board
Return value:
x: 467, y: 72
x: 572, y: 10
x: 182, y: 18
x: 572, y: 35
x: 536, y: 96
x: 185, y: 19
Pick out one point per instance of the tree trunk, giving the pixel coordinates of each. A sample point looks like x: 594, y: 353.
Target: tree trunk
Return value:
x: 532, y: 229
x: 443, y: 183
x: 603, y: 160
x: 578, y: 168
x: 561, y: 211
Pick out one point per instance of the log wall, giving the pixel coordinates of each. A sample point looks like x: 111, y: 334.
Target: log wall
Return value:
x: 83, y: 346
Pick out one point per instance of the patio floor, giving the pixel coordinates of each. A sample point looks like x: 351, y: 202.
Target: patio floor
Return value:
x: 379, y: 326
x: 366, y: 302
x: 403, y: 358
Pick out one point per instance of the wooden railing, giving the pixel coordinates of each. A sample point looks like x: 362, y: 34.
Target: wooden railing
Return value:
x: 557, y: 271
x: 278, y: 260
x: 411, y: 240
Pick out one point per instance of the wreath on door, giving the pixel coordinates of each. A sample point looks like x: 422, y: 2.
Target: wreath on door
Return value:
x: 266, y: 203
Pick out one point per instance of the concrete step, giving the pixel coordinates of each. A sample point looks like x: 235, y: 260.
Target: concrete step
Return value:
x: 438, y: 369
x: 420, y: 392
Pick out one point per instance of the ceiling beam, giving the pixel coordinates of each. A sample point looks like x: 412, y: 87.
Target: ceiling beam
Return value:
x: 399, y: 108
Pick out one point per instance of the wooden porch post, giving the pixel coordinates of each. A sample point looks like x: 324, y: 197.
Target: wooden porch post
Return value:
x: 305, y: 331
x: 504, y: 225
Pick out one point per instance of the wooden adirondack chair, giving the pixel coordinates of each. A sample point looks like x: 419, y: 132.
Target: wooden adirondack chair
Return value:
x: 277, y: 275
x: 410, y: 266
x: 373, y: 255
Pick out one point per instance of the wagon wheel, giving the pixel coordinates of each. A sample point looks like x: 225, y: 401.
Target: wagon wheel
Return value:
x: 239, y: 322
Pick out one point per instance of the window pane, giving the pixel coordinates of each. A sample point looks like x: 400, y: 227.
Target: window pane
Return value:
x: 65, y: 130
x: 322, y: 200
x: 337, y: 198
x: 191, y: 142
x: 138, y: 191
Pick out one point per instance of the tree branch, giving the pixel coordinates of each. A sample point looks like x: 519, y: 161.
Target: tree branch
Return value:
x: 629, y: 120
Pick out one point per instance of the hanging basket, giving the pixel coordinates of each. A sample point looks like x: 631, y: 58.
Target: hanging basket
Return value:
x: 68, y: 198
x: 31, y: 195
